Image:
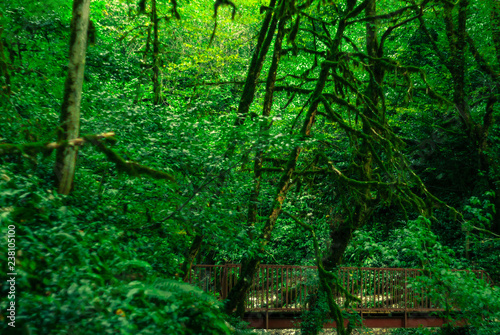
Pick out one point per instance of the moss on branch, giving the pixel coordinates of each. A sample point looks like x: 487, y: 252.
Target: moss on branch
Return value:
x: 272, y: 169
x: 327, y: 280
x: 46, y: 148
x: 129, y: 167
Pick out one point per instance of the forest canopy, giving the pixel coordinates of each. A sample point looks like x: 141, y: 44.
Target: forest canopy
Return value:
x: 139, y: 139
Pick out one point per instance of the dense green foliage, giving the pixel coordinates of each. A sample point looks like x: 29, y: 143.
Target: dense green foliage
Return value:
x: 394, y: 163
x: 76, y: 271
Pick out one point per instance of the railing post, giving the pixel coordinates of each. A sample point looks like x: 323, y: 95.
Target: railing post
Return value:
x: 224, y: 282
x: 267, y: 297
x: 362, y: 289
x: 406, y: 298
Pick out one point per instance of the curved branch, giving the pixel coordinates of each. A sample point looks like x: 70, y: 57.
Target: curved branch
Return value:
x: 383, y: 16
x: 36, y: 147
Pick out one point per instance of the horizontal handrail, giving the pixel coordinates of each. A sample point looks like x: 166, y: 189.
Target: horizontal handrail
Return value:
x: 287, y: 287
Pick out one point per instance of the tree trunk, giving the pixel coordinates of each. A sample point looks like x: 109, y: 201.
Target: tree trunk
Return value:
x: 190, y: 256
x: 156, y: 52
x: 263, y: 43
x: 344, y: 225
x: 341, y: 235
x: 494, y: 182
x: 495, y: 24
x: 264, y: 128
x: 70, y: 114
x: 238, y: 293
x: 266, y: 35
x: 457, y: 43
x: 477, y: 132
x: 496, y: 216
x: 6, y: 90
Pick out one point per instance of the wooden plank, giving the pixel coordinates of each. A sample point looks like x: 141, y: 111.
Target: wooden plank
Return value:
x: 283, y: 321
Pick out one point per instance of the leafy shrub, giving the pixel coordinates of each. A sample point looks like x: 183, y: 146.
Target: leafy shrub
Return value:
x: 76, y: 277
x: 317, y: 315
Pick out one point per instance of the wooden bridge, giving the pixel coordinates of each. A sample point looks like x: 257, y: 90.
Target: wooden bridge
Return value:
x: 388, y: 296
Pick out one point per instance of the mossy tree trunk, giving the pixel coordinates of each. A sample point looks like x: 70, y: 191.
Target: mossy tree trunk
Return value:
x: 349, y: 221
x: 156, y: 53
x: 237, y: 295
x: 459, y: 42
x: 376, y: 172
x: 5, y: 88
x: 264, y: 41
x: 488, y: 118
x: 191, y: 256
x: 266, y: 124
x: 259, y: 55
x: 70, y: 113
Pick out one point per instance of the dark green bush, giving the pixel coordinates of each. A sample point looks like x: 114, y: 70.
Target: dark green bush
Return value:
x: 87, y: 277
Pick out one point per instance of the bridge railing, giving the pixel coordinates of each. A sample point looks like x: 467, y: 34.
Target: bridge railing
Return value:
x: 287, y: 287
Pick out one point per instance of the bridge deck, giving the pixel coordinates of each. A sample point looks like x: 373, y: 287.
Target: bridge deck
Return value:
x: 394, y: 294
x: 274, y: 320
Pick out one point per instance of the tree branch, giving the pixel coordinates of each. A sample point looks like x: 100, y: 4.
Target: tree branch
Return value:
x: 37, y: 147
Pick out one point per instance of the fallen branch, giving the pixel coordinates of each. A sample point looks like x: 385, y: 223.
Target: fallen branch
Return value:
x: 129, y: 167
x: 80, y: 140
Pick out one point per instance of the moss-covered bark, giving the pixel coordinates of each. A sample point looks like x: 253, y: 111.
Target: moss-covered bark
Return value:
x: 191, y: 256
x: 5, y: 88
x: 264, y: 128
x: 377, y: 174
x: 237, y: 294
x: 156, y: 54
x: 70, y: 113
x: 264, y: 41
x: 329, y: 283
x: 476, y: 130
x: 357, y: 209
x: 46, y: 148
x: 129, y: 167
